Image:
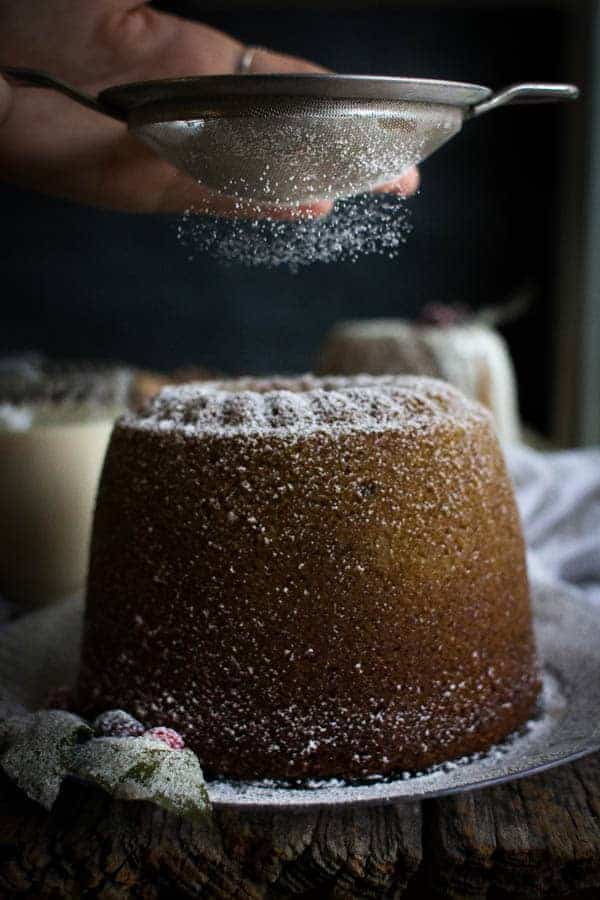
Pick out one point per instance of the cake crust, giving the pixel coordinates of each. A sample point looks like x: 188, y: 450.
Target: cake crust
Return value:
x: 311, y: 578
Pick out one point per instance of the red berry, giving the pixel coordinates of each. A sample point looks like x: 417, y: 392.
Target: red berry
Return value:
x: 167, y: 735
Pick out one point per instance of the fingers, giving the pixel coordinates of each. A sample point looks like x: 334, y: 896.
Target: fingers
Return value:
x: 266, y: 62
x: 405, y: 185
x: 5, y: 99
x: 201, y: 201
x: 316, y: 210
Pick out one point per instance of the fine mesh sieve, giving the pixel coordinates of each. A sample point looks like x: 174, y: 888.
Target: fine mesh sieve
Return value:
x: 285, y: 139
x: 289, y: 151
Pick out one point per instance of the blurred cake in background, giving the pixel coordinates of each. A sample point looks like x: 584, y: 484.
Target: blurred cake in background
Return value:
x: 55, y: 421
x: 442, y: 343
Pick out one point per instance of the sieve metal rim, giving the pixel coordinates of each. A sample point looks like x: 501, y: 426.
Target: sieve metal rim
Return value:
x: 259, y: 88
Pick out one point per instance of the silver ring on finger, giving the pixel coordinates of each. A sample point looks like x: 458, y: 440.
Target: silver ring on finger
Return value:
x: 247, y: 58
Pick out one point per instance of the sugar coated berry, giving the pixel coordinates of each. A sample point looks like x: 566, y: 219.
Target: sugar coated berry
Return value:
x: 168, y: 736
x: 117, y: 723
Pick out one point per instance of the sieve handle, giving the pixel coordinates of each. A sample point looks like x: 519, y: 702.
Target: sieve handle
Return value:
x: 37, y: 78
x: 527, y: 93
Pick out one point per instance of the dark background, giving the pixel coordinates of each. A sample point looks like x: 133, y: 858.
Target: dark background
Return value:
x: 80, y: 282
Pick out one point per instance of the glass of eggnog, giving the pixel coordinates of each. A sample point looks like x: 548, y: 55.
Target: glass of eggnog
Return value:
x: 55, y: 422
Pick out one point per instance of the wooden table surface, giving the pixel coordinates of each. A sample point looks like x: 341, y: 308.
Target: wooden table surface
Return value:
x: 538, y: 837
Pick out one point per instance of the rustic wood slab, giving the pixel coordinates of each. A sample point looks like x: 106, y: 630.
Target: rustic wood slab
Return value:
x: 538, y: 837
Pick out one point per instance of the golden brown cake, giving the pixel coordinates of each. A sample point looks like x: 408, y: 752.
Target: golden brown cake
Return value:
x: 311, y: 577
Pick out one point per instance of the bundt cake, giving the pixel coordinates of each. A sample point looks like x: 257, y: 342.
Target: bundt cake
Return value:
x: 311, y: 577
x: 469, y: 354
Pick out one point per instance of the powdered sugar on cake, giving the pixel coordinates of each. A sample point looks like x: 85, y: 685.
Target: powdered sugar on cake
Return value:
x: 293, y: 408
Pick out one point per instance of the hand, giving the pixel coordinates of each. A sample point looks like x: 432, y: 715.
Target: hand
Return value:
x: 51, y: 144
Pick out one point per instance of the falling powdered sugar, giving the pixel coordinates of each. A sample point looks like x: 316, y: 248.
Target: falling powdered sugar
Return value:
x: 370, y: 224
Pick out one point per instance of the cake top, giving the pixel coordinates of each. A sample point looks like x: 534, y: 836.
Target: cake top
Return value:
x: 35, y: 390
x: 294, y: 407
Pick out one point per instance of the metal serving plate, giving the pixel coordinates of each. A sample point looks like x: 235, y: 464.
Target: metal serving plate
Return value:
x: 41, y: 651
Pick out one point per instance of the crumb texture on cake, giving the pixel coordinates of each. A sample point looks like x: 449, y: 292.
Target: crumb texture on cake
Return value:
x: 298, y: 406
x: 311, y: 578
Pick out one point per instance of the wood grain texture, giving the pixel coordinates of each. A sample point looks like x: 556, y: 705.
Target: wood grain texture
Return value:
x: 538, y: 837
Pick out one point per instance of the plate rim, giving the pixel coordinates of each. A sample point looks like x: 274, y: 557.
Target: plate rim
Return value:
x: 387, y: 800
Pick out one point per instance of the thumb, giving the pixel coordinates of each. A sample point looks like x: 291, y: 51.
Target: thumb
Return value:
x: 5, y: 99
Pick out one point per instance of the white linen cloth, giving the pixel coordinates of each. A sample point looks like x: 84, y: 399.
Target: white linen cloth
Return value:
x: 559, y: 500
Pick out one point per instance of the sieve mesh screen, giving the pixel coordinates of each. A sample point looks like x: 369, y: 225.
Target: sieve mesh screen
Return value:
x: 286, y: 152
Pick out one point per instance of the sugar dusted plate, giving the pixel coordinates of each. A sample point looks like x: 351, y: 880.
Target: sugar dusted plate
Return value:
x: 42, y: 649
